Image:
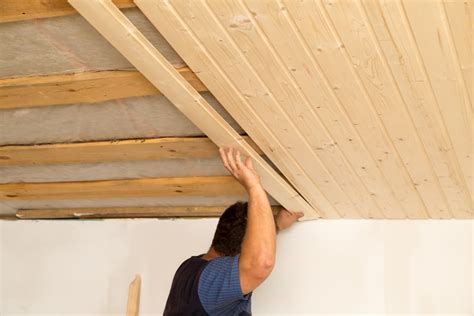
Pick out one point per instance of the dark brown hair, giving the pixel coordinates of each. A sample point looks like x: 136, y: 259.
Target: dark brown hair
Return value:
x: 230, y: 230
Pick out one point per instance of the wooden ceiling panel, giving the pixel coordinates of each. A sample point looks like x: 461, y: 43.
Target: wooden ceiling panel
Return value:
x: 346, y: 90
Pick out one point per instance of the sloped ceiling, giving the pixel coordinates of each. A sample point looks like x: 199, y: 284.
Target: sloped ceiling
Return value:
x: 365, y: 107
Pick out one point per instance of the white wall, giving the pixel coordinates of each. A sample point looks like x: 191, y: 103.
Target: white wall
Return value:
x: 84, y: 267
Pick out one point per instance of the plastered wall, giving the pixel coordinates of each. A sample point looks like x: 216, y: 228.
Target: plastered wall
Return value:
x: 323, y: 267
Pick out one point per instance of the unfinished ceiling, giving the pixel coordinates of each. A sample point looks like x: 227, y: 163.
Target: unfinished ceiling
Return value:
x: 365, y: 107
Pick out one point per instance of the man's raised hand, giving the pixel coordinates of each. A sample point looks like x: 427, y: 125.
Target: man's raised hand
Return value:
x: 243, y: 172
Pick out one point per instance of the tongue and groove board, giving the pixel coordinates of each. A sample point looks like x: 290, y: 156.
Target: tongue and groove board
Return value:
x: 347, y: 98
x: 126, y: 38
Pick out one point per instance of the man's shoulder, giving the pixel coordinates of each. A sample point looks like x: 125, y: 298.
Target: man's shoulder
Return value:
x: 192, y: 261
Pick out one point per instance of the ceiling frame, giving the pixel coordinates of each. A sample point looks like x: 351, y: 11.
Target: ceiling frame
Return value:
x: 128, y: 40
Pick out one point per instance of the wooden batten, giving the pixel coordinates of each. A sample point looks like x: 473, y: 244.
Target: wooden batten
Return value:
x: 124, y: 212
x: 148, y: 187
x: 121, y: 212
x: 18, y: 10
x: 84, y: 87
x: 122, y: 150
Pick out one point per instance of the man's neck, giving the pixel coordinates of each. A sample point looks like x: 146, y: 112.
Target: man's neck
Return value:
x: 211, y: 254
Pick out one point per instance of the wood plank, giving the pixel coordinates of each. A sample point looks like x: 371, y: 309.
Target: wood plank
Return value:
x: 460, y: 19
x: 147, y: 187
x: 360, y: 42
x: 122, y: 212
x: 121, y: 33
x: 301, y: 119
x: 18, y: 10
x: 443, y: 66
x: 85, y: 87
x: 228, y: 91
x: 133, y: 303
x: 396, y: 40
x: 326, y: 53
x: 121, y: 150
x: 8, y: 217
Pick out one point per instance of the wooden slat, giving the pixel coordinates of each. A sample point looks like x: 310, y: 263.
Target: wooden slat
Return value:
x: 85, y: 87
x: 227, y: 89
x: 149, y: 187
x: 121, y: 33
x: 122, y: 212
x: 372, y: 68
x: 133, y: 303
x: 122, y: 150
x: 444, y: 67
x: 8, y: 217
x: 396, y: 40
x: 461, y: 24
x: 17, y: 10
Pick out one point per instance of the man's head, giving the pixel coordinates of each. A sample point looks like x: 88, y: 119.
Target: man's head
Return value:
x: 230, y: 230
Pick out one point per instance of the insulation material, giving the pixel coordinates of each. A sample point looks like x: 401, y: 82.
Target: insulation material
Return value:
x: 67, y: 44
x: 114, y: 170
x: 140, y: 117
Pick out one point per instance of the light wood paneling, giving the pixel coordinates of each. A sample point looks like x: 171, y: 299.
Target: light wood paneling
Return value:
x: 392, y: 30
x: 152, y: 187
x: 343, y: 96
x: 17, y: 10
x: 291, y: 48
x: 320, y: 162
x: 122, y: 150
x: 121, y: 33
x: 444, y: 66
x: 319, y: 39
x: 359, y: 41
x: 86, y: 87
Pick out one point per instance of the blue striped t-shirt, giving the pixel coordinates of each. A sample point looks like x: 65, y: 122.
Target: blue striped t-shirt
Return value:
x: 219, y: 288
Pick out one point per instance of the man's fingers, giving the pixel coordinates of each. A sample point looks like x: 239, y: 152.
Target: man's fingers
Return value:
x: 298, y: 214
x: 222, y: 152
x: 238, y: 162
x: 231, y: 160
x: 249, y: 163
x: 223, y: 156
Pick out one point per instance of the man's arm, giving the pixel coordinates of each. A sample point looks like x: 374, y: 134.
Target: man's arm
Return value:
x: 257, y: 256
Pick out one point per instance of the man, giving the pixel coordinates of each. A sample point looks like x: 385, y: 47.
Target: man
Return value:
x: 241, y: 257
